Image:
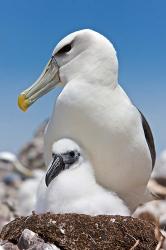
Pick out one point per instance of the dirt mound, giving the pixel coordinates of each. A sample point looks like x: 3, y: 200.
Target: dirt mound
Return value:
x: 76, y: 232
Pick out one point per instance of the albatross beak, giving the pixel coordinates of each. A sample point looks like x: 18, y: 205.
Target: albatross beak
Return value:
x: 46, y: 82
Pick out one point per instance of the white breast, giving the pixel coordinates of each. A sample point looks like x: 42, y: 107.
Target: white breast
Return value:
x: 108, y: 126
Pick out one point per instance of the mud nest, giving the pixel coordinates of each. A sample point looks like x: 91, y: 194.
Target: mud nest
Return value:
x: 83, y: 232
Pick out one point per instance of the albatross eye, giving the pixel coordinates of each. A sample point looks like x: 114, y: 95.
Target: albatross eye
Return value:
x: 64, y: 49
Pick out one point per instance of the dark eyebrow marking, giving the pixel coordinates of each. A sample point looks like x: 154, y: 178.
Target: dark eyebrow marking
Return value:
x: 64, y: 49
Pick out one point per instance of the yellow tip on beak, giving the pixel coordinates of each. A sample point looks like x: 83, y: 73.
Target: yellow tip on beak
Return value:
x: 23, y: 102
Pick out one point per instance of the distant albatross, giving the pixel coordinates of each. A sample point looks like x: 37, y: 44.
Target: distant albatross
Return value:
x: 95, y: 112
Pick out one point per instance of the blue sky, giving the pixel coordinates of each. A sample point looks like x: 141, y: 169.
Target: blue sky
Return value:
x: 29, y: 30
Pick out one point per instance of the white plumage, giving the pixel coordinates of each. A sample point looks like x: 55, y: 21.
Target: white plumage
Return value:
x: 75, y: 190
x: 94, y: 111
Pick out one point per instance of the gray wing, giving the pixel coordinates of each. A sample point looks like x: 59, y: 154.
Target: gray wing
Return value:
x: 149, y: 138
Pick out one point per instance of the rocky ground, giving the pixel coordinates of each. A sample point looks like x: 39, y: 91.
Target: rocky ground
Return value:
x: 72, y: 231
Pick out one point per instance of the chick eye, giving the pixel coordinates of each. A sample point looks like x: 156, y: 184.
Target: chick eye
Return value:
x: 72, y: 153
x: 65, y: 49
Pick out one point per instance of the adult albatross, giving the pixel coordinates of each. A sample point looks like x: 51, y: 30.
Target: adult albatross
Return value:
x: 94, y: 111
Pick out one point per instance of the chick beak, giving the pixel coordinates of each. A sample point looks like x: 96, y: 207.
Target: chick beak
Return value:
x: 56, y: 167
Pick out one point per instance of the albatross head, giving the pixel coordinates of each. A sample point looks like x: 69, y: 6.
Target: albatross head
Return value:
x: 83, y: 54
